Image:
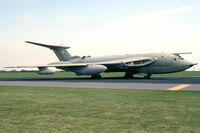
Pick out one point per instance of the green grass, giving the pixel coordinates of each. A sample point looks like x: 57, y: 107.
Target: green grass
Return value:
x: 34, y: 74
x: 46, y: 109
x: 70, y: 74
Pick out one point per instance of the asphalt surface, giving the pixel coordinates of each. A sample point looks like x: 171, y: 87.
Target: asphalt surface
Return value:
x: 155, y: 83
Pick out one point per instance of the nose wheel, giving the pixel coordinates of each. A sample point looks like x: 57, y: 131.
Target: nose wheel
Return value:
x: 148, y: 76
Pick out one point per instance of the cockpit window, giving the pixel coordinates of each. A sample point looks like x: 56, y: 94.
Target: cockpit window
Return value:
x: 178, y: 57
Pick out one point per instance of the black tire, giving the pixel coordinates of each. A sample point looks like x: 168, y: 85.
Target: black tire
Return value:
x: 96, y: 76
x: 128, y: 75
x: 148, y: 76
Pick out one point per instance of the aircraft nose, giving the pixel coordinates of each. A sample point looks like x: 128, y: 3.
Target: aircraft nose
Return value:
x: 193, y: 64
x: 190, y: 64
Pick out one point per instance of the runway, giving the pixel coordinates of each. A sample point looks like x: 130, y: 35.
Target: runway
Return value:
x: 155, y: 83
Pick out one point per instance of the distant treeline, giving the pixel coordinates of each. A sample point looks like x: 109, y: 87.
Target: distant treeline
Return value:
x: 15, y: 71
x: 18, y: 71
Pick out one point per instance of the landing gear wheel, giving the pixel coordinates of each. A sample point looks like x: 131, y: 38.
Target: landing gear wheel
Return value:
x: 96, y: 76
x: 128, y: 75
x: 148, y: 76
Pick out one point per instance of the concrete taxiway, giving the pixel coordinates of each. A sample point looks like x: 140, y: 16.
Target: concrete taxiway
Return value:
x: 155, y: 83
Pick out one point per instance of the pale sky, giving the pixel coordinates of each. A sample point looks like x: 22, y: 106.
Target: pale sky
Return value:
x: 97, y: 28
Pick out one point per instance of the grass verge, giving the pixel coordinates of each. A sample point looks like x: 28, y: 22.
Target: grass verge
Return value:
x: 51, y: 109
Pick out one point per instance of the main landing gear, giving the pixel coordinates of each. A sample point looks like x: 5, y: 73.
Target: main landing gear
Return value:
x: 148, y: 76
x: 98, y: 76
x: 128, y: 75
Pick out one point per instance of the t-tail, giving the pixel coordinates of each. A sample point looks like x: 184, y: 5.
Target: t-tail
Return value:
x: 60, y: 51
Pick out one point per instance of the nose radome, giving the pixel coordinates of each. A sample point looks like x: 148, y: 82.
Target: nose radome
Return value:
x: 193, y: 64
x: 190, y: 64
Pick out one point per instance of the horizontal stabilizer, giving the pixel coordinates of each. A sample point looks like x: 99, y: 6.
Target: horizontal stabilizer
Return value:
x: 48, y: 46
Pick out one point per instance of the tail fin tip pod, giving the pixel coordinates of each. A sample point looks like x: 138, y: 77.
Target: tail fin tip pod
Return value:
x: 60, y: 51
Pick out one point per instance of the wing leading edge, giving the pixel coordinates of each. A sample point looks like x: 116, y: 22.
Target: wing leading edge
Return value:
x: 129, y: 62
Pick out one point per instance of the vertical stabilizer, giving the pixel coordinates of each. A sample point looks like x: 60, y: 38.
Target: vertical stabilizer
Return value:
x: 60, y: 51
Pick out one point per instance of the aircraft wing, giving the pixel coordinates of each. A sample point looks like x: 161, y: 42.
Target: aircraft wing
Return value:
x: 182, y: 53
x: 50, y: 65
x: 131, y: 62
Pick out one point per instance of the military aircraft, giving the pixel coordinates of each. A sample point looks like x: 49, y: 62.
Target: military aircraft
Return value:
x: 142, y: 64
